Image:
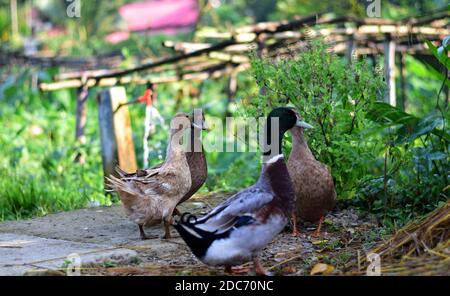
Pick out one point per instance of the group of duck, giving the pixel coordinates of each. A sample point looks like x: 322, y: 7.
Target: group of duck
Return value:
x: 236, y: 230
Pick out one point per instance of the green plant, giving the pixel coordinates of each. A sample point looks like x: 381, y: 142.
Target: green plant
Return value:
x: 416, y: 160
x: 109, y: 263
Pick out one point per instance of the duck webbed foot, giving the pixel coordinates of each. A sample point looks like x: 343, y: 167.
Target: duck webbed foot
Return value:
x: 259, y: 269
x: 317, y: 232
x: 236, y: 269
x: 167, y: 224
x: 143, y: 235
x: 295, y: 231
x: 167, y: 234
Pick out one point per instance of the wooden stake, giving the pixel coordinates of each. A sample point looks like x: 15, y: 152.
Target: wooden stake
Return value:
x: 122, y: 130
x: 261, y: 50
x: 350, y: 48
x: 82, y: 95
x: 107, y: 138
x: 115, y: 132
x: 149, y: 127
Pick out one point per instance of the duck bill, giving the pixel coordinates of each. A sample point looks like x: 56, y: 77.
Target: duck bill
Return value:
x: 204, y: 126
x: 301, y: 123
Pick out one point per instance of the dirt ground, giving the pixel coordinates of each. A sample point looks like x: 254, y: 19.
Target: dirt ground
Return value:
x: 345, y: 236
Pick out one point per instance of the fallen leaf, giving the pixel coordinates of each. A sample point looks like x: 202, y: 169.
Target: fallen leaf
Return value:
x: 318, y: 242
x: 280, y: 257
x: 289, y: 269
x: 321, y: 268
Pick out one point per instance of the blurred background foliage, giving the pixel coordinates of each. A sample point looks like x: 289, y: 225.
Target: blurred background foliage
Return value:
x: 393, y: 163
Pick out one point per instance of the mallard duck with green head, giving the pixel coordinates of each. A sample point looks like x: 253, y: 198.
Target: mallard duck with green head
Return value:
x: 238, y: 229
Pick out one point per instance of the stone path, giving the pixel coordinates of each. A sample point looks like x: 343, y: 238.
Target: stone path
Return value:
x: 20, y: 254
x: 98, y: 235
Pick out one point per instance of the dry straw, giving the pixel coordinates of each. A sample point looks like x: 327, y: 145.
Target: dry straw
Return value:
x: 421, y: 248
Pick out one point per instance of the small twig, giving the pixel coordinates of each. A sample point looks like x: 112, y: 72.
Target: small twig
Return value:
x: 284, y: 262
x: 125, y: 104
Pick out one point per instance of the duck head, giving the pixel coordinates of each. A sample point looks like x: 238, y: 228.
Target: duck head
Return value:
x: 279, y: 121
x: 300, y: 124
x: 179, y: 124
x: 198, y: 120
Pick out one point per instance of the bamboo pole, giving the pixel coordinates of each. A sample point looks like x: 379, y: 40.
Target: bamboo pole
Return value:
x: 107, y: 138
x: 213, y: 72
x: 14, y: 19
x: 231, y: 92
x: 402, y: 97
x: 80, y: 122
x: 389, y: 68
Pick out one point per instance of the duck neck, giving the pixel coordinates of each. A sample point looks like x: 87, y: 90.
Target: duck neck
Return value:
x: 299, y: 144
x: 195, y: 141
x: 175, y: 150
x: 275, y: 177
x: 272, y: 143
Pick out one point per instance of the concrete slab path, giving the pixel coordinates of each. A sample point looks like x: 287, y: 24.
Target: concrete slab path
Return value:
x: 97, y: 235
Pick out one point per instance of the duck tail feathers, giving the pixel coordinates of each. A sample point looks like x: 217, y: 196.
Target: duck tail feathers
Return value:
x: 125, y: 189
x: 121, y: 172
x: 188, y: 219
x: 197, y: 240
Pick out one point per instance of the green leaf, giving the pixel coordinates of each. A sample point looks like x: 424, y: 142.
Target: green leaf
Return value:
x: 386, y: 114
x: 441, y: 57
x: 425, y: 125
x: 437, y: 74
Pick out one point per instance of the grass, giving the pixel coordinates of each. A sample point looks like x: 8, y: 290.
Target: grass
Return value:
x: 23, y: 195
x: 38, y: 174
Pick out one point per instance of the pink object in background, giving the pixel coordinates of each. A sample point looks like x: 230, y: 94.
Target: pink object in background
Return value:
x: 56, y: 31
x: 167, y: 16
x: 117, y: 37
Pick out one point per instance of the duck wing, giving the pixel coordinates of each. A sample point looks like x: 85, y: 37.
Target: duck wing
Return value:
x: 156, y: 182
x: 240, y: 206
x: 139, y: 173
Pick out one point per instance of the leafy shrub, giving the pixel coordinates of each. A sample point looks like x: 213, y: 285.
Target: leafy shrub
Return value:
x: 415, y: 166
x: 333, y: 96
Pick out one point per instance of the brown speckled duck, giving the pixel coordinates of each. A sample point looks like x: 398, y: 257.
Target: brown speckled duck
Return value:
x: 313, y: 184
x: 195, y: 157
x: 150, y: 196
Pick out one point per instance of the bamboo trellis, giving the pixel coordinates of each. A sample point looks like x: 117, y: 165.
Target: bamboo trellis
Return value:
x: 229, y: 54
x: 198, y: 61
